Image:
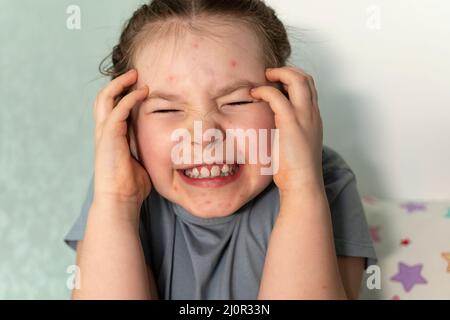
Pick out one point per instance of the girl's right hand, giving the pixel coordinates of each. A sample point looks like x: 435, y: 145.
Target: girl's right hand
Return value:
x: 118, y: 176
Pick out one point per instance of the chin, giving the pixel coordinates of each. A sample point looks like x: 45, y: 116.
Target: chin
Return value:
x: 212, y: 209
x: 216, y: 204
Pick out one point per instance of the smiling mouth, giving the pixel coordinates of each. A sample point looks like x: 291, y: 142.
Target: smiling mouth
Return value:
x: 211, y: 171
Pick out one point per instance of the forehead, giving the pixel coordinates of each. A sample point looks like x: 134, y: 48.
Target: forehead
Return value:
x: 224, y: 53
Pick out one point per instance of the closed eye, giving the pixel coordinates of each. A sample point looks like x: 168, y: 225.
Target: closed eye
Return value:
x: 240, y: 103
x: 166, y: 111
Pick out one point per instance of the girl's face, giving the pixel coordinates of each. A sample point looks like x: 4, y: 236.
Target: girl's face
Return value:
x: 186, y: 80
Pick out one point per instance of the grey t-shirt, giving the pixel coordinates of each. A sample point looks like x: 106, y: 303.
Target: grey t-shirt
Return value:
x: 222, y: 258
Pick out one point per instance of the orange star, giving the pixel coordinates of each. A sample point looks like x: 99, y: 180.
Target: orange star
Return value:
x: 446, y: 256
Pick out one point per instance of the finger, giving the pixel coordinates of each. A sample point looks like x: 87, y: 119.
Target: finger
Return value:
x: 278, y: 102
x: 104, y: 102
x: 314, y: 92
x: 122, y: 111
x: 312, y: 84
x: 132, y: 139
x: 298, y: 87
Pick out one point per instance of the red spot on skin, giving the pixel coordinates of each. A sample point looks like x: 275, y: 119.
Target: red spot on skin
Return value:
x: 195, y: 45
x: 171, y: 78
x: 405, y: 242
x: 233, y: 63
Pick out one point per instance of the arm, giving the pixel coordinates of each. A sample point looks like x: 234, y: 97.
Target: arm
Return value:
x: 301, y: 261
x: 351, y: 270
x: 111, y: 259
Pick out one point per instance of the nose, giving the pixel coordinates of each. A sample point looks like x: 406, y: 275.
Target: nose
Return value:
x: 207, y: 130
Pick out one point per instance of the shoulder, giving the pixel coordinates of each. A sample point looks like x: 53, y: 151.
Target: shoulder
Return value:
x: 350, y: 228
x: 332, y: 160
x: 337, y: 174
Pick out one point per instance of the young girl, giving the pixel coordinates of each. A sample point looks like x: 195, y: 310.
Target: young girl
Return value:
x: 151, y: 228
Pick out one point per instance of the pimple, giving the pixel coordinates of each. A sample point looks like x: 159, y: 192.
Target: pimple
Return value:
x: 233, y: 63
x: 195, y: 45
x: 171, y: 78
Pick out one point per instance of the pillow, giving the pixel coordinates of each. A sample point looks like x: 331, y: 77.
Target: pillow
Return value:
x: 412, y: 242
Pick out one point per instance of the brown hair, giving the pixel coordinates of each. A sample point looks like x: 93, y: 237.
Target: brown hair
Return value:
x: 262, y: 19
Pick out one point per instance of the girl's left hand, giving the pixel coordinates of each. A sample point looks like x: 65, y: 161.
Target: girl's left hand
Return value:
x: 298, y: 120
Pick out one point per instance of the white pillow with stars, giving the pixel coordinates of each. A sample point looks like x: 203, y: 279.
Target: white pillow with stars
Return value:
x: 412, y: 242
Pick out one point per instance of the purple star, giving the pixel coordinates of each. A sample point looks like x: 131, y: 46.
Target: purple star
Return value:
x: 413, y: 206
x: 409, y: 275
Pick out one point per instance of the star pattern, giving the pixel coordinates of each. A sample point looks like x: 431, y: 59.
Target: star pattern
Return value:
x: 368, y: 199
x: 405, y: 242
x: 411, y: 207
x: 446, y: 256
x: 409, y: 276
x: 447, y: 215
x: 374, y: 233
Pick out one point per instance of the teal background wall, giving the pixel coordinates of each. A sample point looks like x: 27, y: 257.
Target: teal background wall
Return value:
x: 48, y: 80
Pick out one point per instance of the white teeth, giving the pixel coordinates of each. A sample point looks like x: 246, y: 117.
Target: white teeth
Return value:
x: 204, y: 172
x: 215, y: 171
x: 225, y: 168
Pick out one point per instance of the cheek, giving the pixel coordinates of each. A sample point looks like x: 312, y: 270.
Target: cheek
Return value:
x: 266, y: 117
x: 155, y: 145
x: 265, y: 121
x: 258, y: 117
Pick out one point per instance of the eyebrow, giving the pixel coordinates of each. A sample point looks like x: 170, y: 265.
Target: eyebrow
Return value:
x: 233, y: 86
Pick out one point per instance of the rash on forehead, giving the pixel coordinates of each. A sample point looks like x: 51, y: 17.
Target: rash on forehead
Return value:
x: 198, y: 60
x: 171, y: 78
